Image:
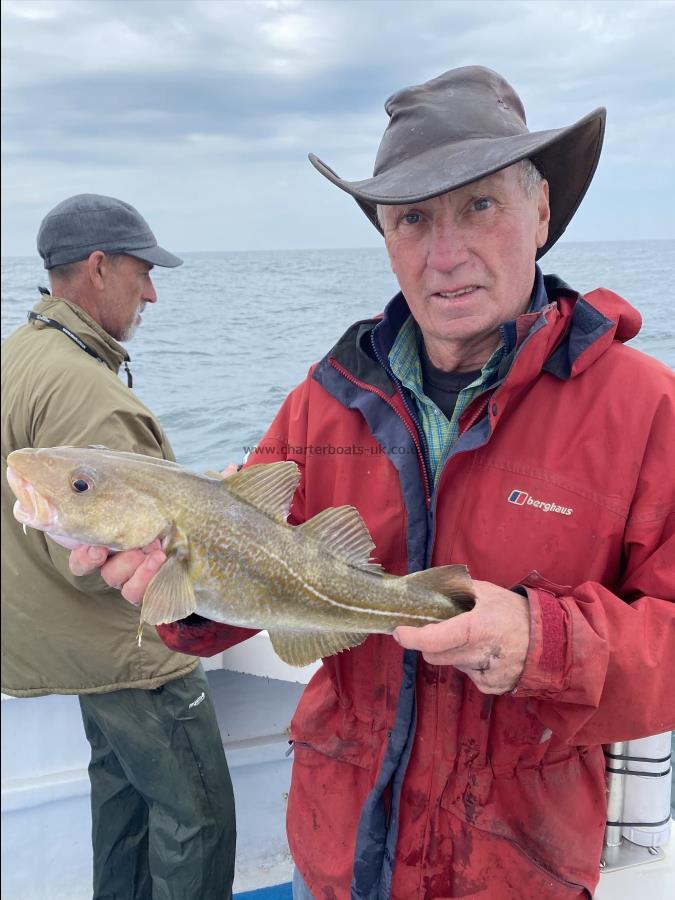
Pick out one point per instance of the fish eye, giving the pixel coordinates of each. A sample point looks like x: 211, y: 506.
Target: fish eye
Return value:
x: 82, y: 479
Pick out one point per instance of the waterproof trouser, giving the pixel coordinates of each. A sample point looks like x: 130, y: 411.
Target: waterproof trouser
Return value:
x: 163, y: 825
x: 300, y: 889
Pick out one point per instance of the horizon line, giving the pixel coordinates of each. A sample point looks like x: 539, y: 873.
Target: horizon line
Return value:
x: 331, y: 249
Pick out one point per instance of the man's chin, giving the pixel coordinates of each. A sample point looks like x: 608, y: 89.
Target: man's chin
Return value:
x: 128, y: 333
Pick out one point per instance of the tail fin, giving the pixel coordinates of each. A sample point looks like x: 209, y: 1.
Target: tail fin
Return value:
x: 453, y: 582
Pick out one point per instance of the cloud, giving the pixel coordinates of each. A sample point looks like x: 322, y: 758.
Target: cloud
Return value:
x: 210, y: 103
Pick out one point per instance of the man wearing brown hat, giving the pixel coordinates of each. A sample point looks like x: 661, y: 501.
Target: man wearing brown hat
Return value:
x: 161, y: 796
x: 501, y: 423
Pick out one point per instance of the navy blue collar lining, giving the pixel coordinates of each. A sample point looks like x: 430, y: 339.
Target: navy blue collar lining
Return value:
x: 538, y: 300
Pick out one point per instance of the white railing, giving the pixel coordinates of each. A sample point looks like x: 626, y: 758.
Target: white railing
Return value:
x: 638, y: 801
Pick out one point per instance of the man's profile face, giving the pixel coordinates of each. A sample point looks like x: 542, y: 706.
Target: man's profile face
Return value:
x: 465, y: 260
x: 128, y: 288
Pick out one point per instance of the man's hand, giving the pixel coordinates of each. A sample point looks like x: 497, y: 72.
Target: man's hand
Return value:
x: 489, y: 644
x: 129, y: 571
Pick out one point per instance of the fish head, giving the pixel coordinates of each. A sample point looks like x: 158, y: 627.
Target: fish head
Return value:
x: 89, y: 495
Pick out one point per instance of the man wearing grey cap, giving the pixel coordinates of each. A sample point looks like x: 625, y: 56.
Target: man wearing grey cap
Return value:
x: 492, y: 417
x: 161, y: 795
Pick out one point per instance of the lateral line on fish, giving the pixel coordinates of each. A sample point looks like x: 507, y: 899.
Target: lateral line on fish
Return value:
x: 361, y: 609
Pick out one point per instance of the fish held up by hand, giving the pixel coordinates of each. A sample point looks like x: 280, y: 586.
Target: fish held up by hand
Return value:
x: 231, y: 555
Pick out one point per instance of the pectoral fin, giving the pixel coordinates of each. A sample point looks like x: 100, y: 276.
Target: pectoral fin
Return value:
x: 170, y: 596
x: 300, y: 648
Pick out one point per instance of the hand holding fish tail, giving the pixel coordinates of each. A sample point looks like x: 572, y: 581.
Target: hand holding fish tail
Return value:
x: 489, y: 644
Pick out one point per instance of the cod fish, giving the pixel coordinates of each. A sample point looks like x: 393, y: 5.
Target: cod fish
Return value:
x: 231, y: 555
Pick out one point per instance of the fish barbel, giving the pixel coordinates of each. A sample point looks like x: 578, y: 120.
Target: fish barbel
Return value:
x: 231, y: 555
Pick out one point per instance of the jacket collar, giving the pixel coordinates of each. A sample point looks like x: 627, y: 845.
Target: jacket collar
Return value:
x: 592, y: 322
x: 562, y: 331
x: 562, y: 334
x: 76, y: 319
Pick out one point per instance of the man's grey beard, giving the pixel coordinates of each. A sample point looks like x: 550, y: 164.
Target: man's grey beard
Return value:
x: 130, y: 330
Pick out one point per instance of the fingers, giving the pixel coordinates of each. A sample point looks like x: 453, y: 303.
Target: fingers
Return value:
x: 153, y: 545
x: 135, y: 587
x: 120, y: 567
x: 230, y: 469
x: 488, y: 644
x: 444, y: 638
x: 85, y: 559
x: 129, y: 571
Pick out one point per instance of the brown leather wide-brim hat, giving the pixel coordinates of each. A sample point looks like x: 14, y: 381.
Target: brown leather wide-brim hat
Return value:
x: 462, y: 126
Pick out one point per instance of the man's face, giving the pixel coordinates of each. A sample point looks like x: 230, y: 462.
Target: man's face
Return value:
x: 465, y: 261
x: 128, y: 287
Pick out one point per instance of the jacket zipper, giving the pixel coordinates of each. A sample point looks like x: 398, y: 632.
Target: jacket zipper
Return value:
x: 423, y: 447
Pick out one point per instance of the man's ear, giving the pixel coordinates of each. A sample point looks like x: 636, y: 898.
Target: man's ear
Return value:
x: 544, y: 212
x: 96, y: 266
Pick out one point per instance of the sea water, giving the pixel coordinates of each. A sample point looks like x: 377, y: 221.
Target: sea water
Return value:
x: 232, y: 333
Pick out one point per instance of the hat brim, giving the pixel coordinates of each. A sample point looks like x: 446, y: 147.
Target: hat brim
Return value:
x: 158, y: 256
x: 566, y: 157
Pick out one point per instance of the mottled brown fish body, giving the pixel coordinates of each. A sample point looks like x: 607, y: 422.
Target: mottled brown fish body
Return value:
x: 231, y: 555
x: 285, y: 575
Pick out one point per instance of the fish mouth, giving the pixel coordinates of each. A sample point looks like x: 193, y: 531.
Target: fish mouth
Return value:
x: 31, y: 508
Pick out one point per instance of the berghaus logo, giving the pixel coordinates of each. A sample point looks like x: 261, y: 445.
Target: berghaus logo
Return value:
x: 522, y: 498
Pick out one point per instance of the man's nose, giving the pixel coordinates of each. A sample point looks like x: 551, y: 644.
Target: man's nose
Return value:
x: 150, y: 294
x: 447, y: 245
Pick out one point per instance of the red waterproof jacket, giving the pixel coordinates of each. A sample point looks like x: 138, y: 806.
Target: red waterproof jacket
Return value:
x: 407, y: 781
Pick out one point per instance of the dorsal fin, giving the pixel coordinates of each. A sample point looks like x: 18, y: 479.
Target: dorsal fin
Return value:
x: 345, y: 534
x: 269, y: 488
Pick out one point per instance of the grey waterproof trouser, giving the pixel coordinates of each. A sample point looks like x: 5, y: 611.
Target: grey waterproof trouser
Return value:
x: 300, y: 889
x: 162, y: 806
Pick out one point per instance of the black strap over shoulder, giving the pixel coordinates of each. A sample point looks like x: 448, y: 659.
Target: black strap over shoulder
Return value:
x: 52, y: 323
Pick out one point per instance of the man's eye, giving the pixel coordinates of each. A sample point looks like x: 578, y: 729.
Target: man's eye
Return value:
x: 482, y: 203
x: 411, y: 218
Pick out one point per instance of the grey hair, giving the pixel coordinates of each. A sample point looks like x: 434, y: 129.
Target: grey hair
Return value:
x: 63, y: 274
x: 529, y: 175
x: 66, y: 273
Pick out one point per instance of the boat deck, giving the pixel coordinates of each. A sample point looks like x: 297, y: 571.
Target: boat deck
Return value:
x: 46, y: 849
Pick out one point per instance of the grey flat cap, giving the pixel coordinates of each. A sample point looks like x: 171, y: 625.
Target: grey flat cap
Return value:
x: 88, y: 222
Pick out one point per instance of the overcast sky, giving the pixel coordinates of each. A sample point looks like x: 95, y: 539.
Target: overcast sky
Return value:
x: 201, y: 112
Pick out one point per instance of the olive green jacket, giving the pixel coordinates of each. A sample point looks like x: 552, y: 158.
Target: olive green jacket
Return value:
x: 62, y: 634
